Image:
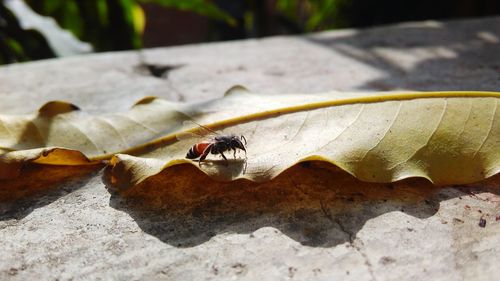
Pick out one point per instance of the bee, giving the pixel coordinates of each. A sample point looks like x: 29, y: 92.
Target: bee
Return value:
x: 217, y: 144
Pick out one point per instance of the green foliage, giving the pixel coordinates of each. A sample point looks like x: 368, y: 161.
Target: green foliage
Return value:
x: 313, y: 15
x: 108, y: 25
x: 201, y: 7
x: 113, y: 24
x: 17, y: 44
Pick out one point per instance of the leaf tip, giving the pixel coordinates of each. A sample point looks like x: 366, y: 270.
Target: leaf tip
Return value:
x: 236, y: 89
x: 146, y: 100
x: 54, y: 108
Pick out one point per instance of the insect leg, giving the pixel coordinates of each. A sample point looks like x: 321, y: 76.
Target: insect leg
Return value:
x: 204, y: 154
x: 223, y: 156
x: 234, y: 154
x: 243, y: 139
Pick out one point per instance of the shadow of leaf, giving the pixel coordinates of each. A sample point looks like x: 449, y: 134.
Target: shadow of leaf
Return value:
x: 312, y: 203
x: 40, y: 185
x: 428, y: 56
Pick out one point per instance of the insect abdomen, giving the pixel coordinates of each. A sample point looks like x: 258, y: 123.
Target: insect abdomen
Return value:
x: 192, y: 154
x: 196, y: 150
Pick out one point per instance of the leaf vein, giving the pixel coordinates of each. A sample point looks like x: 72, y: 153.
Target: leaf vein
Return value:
x: 139, y: 123
x: 82, y: 132
x: 467, y: 118
x: 345, y: 129
x: 385, y: 133
x: 104, y: 120
x: 40, y: 134
x: 7, y: 128
x: 438, y: 123
x: 489, y: 129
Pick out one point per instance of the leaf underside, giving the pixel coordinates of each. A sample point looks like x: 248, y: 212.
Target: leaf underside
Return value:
x: 445, y: 137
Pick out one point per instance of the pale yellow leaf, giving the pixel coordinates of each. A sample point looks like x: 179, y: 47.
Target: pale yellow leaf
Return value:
x: 446, y: 137
x: 60, y: 134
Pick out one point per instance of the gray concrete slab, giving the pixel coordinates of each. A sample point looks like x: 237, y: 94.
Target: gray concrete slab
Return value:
x: 79, y: 231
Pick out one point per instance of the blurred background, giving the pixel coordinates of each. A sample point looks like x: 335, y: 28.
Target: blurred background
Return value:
x: 38, y: 29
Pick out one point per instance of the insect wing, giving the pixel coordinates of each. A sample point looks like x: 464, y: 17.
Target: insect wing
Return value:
x: 188, y: 136
x: 195, y: 131
x: 202, y: 130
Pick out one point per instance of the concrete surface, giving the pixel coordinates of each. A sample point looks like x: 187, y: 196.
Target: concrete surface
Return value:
x: 77, y: 229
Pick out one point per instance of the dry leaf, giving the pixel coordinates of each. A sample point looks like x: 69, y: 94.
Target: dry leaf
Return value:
x: 60, y: 134
x: 447, y: 137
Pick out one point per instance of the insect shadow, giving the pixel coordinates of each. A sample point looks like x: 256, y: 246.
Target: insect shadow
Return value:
x: 309, y: 203
x: 232, y: 167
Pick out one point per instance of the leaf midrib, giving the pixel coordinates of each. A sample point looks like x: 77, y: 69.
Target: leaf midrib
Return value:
x: 303, y: 107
